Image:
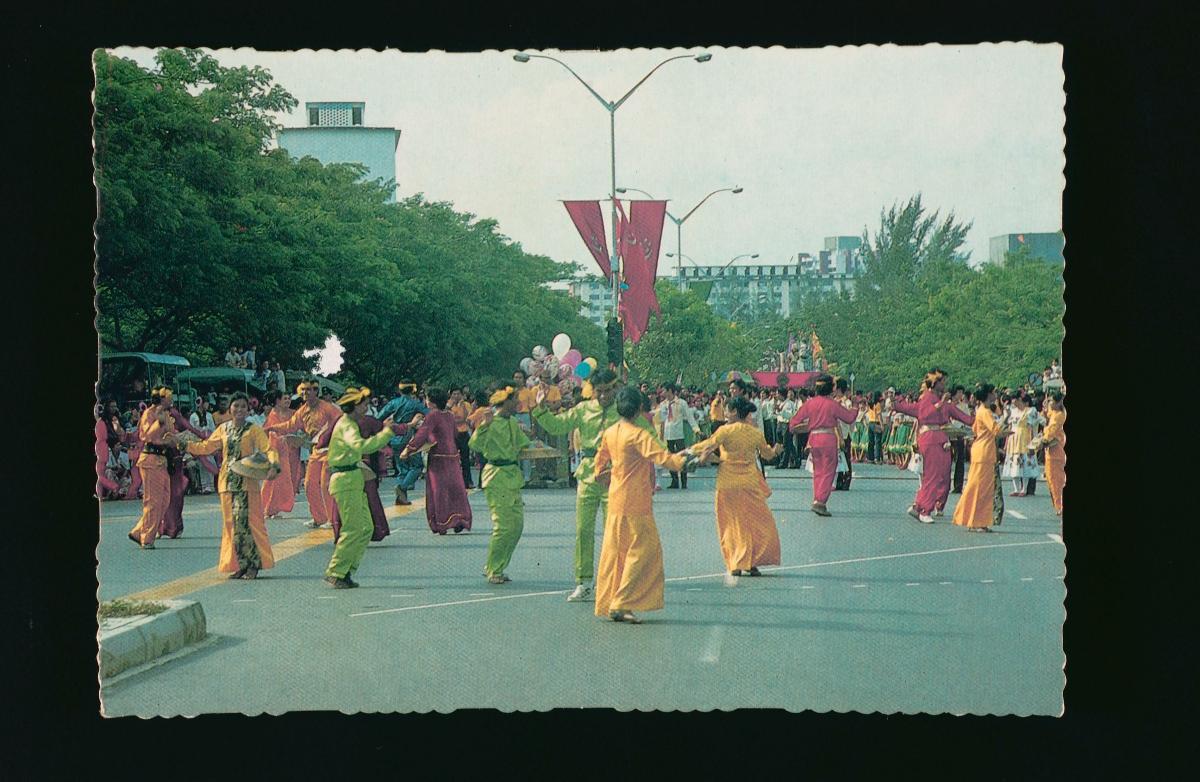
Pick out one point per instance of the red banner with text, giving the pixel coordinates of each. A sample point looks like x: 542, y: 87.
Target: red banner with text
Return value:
x: 590, y: 224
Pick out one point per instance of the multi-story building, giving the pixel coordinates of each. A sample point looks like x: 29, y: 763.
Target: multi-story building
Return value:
x: 596, y: 295
x: 337, y: 133
x: 1047, y: 246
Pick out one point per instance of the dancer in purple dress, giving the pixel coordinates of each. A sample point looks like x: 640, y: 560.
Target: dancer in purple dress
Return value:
x: 446, y: 505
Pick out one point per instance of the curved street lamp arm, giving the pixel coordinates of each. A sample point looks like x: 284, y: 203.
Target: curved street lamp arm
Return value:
x: 674, y: 219
x: 710, y: 195
x: 625, y: 97
x: 608, y: 106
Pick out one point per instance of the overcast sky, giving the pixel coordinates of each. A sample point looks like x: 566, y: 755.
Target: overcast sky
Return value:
x: 821, y: 139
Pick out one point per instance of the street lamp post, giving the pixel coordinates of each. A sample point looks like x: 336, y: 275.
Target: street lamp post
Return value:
x: 611, y: 107
x: 679, y: 223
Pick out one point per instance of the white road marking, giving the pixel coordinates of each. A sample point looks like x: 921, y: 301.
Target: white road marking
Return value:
x: 716, y: 575
x: 1027, y: 578
x: 945, y: 583
x: 913, y: 584
x: 400, y: 595
x: 1055, y: 537
x: 1016, y: 514
x: 694, y: 589
x: 808, y: 586
x: 712, y: 649
x: 858, y: 586
x: 245, y: 600
x: 327, y: 597
x: 987, y: 581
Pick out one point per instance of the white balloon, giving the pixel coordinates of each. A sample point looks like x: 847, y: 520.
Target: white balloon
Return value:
x: 561, y: 344
x: 540, y: 352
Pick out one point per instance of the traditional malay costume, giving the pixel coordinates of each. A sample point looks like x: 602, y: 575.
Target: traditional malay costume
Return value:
x: 247, y: 458
x: 1055, y: 438
x: 499, y: 441
x: 589, y: 419
x: 976, y: 506
x: 376, y: 463
x: 933, y: 417
x: 745, y: 525
x: 347, y: 446
x: 822, y: 413
x: 156, y: 482
x: 630, y: 574
x: 402, y: 409
x: 311, y: 418
x: 446, y: 504
x: 172, y: 523
x: 279, y: 495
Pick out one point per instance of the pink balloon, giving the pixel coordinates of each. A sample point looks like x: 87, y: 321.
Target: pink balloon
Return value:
x: 572, y: 358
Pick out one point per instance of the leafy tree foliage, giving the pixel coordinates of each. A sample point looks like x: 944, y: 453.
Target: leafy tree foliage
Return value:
x: 205, y: 240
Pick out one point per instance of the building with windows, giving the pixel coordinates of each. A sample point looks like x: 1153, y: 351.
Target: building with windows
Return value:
x: 1047, y: 246
x: 596, y: 295
x: 337, y: 133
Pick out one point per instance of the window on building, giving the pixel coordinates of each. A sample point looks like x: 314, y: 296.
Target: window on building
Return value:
x: 314, y: 116
x: 356, y: 115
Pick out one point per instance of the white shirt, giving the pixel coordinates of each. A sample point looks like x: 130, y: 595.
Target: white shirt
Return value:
x: 767, y: 409
x: 786, y: 409
x: 280, y: 382
x: 208, y: 424
x: 672, y: 416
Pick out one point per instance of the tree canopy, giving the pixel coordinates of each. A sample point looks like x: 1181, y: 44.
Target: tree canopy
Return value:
x: 206, y: 238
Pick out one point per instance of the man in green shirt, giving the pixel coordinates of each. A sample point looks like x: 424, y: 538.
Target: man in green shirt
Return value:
x: 499, y: 439
x: 591, y: 417
x: 347, y: 447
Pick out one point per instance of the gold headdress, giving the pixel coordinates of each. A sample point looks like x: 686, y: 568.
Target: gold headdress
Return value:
x: 354, y: 395
x: 501, y: 395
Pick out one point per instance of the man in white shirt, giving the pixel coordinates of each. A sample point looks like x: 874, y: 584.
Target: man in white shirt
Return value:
x: 234, y: 358
x: 202, y: 419
x: 842, y: 482
x: 279, y: 381
x: 672, y: 414
x: 785, y: 408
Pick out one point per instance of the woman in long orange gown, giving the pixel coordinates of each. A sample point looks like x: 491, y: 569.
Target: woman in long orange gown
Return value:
x: 279, y: 496
x: 974, y: 509
x: 745, y: 525
x: 630, y: 573
x: 1055, y: 438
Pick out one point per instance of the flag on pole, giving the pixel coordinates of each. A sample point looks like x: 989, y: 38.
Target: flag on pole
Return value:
x: 640, y: 236
x: 590, y: 224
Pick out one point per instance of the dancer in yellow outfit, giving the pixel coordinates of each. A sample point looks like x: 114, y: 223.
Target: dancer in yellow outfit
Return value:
x: 745, y: 525
x: 245, y: 548
x: 1055, y: 439
x: 347, y: 447
x: 157, y: 433
x: 630, y: 574
x: 975, y: 507
x: 499, y: 439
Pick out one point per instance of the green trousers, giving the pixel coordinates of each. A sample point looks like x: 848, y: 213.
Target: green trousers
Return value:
x: 357, y: 527
x: 589, y: 497
x: 508, y: 520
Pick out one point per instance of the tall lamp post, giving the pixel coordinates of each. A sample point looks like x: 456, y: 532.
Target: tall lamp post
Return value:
x: 611, y: 107
x: 679, y: 223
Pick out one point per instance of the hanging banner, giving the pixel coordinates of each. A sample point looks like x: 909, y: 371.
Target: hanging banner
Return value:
x: 590, y: 224
x: 641, y: 235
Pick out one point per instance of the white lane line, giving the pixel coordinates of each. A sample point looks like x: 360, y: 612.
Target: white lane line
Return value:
x: 808, y: 586
x: 987, y: 581
x: 245, y: 600
x: 399, y: 595
x: 913, y: 584
x: 327, y: 597
x: 693, y: 589
x: 1017, y: 514
x: 858, y: 586
x: 712, y: 649
x: 718, y: 575
x: 945, y: 583
x: 1027, y: 578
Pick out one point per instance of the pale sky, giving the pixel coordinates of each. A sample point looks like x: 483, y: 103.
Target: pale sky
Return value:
x: 821, y: 139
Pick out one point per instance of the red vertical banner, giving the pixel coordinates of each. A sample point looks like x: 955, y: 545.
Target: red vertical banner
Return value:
x: 640, y: 237
x: 590, y: 224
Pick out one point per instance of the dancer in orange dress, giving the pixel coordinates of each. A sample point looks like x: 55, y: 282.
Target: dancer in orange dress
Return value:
x: 745, y: 525
x: 975, y: 507
x: 630, y: 573
x: 1055, y: 439
x: 314, y: 417
x: 279, y: 496
x: 156, y: 430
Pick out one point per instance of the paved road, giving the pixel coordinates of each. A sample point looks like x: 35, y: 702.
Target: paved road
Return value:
x: 869, y: 611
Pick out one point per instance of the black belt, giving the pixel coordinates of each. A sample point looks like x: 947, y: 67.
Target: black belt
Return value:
x: 496, y: 463
x: 344, y: 468
x: 157, y: 450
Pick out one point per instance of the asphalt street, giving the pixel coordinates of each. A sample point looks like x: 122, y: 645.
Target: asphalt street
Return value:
x: 869, y: 611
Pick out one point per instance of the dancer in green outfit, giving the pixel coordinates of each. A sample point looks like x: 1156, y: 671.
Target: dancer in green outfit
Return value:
x: 591, y: 418
x: 347, y: 447
x: 498, y: 439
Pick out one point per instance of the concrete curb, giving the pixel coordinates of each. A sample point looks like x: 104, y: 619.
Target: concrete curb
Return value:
x: 127, y: 643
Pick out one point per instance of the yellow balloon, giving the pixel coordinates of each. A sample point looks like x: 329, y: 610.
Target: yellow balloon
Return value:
x: 586, y: 389
x: 591, y: 362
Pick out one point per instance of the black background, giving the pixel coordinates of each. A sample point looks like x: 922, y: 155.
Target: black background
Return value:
x: 1130, y: 157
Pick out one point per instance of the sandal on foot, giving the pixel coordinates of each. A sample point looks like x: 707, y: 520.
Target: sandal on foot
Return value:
x: 237, y: 575
x: 624, y: 616
x: 250, y: 573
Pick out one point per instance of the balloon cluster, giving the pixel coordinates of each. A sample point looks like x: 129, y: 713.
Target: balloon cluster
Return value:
x: 562, y: 364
